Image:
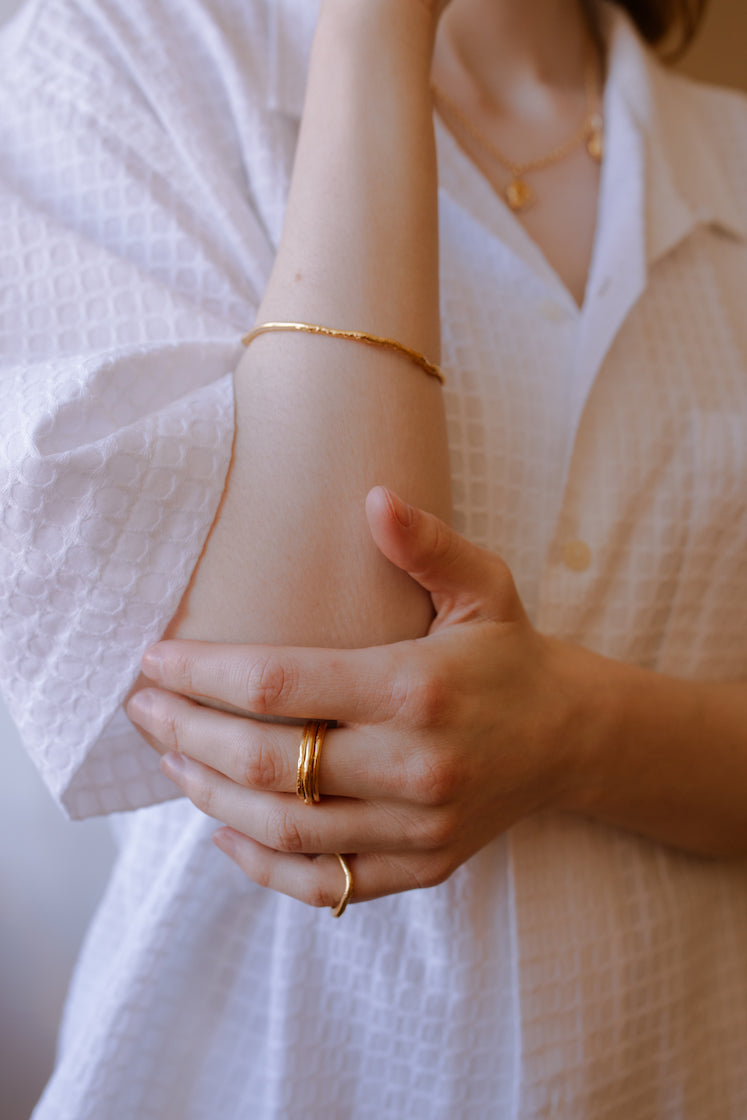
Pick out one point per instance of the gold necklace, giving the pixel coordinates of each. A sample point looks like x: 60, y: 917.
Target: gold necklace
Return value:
x: 518, y: 194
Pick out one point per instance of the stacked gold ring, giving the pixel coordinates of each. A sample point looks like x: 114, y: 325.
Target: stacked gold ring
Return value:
x: 307, y: 775
x: 307, y: 788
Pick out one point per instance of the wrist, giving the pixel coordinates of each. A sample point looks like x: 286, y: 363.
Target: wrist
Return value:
x: 590, y: 726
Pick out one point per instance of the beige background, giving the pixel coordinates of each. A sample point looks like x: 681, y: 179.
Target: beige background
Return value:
x: 43, y: 908
x: 720, y: 52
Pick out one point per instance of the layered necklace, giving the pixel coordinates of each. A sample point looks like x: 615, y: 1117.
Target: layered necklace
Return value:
x: 517, y: 193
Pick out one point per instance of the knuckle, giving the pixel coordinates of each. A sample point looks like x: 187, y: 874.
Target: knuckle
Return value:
x: 316, y: 895
x: 201, y: 794
x: 269, y: 681
x: 169, y: 728
x: 438, y: 545
x: 444, y: 548
x: 283, y: 833
x: 181, y: 671
x: 428, y: 699
x: 429, y: 871
x: 445, y: 545
x: 262, y: 876
x: 439, y: 869
x: 437, y: 830
x: 259, y: 767
x: 400, y: 679
x: 435, y: 780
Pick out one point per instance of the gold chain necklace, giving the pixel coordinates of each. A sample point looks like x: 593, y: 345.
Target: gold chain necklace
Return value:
x: 518, y: 194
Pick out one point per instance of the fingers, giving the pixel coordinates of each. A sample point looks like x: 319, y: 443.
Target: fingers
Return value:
x: 464, y: 580
x: 284, y: 823
x: 264, y: 756
x: 354, y: 686
x: 320, y: 881
x: 317, y: 881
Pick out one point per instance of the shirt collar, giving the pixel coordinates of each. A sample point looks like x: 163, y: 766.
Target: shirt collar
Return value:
x: 686, y: 180
x: 687, y: 183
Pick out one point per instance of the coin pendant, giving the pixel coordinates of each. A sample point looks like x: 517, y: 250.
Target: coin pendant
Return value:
x: 595, y: 140
x: 518, y: 194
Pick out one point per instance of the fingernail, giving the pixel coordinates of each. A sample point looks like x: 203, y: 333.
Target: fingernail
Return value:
x: 140, y: 706
x: 176, y: 766
x: 224, y: 840
x: 400, y: 509
x: 152, y: 663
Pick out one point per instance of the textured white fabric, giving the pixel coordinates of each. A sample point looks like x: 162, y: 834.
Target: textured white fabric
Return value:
x: 568, y: 970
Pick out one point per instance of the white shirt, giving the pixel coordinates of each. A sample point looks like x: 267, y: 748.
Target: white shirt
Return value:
x: 568, y: 970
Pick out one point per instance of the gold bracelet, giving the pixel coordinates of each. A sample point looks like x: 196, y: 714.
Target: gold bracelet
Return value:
x: 353, y: 336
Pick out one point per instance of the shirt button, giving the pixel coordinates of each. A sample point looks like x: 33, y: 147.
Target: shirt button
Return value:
x: 576, y: 555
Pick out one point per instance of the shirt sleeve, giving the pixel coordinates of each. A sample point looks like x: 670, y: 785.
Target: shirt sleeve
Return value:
x: 128, y: 271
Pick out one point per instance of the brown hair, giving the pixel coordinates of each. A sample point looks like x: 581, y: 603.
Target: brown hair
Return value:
x: 672, y: 23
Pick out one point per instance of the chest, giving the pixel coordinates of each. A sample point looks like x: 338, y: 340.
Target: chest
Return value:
x: 613, y: 479
x: 562, y: 216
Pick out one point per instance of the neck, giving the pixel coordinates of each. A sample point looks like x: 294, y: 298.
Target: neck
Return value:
x: 510, y: 55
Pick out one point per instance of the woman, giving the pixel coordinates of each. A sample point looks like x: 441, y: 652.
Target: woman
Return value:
x: 567, y: 968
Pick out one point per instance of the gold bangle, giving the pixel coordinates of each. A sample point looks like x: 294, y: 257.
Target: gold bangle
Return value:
x: 353, y: 336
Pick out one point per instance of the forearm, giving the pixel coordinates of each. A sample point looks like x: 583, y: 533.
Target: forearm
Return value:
x: 360, y: 231
x: 319, y: 421
x: 661, y: 756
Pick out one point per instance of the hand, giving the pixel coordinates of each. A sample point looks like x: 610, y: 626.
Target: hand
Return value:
x: 443, y: 743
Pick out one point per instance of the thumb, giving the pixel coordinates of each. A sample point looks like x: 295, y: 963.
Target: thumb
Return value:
x: 464, y: 581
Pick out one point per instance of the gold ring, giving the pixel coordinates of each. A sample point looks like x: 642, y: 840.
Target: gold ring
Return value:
x: 307, y: 774
x: 339, y: 910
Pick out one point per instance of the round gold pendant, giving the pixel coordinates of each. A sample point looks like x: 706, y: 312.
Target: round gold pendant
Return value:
x: 518, y: 194
x: 595, y: 140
